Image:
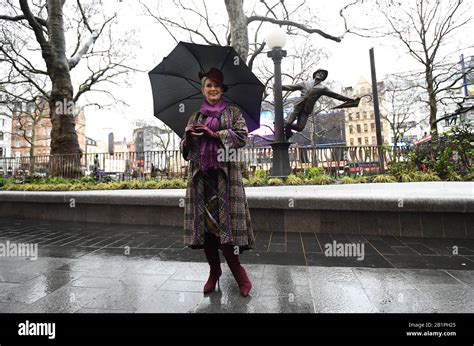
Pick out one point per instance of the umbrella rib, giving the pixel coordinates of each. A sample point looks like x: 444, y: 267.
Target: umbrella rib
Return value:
x: 195, y: 57
x: 225, y: 60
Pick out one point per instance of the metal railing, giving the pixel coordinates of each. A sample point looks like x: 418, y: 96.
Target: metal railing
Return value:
x: 336, y: 161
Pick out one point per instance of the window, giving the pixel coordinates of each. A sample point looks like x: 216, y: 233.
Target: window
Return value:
x: 364, y: 115
x: 366, y: 140
x: 365, y: 128
x: 350, y: 116
x: 351, y: 129
x: 352, y: 141
x: 359, y: 141
x: 357, y: 115
x: 1, y: 136
x: 374, y: 141
x: 358, y: 128
x: 372, y: 115
x: 372, y: 127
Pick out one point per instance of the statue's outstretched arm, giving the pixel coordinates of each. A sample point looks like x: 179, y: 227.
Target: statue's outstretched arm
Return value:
x: 332, y: 94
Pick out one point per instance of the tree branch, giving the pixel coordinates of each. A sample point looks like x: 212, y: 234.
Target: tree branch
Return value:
x: 294, y: 24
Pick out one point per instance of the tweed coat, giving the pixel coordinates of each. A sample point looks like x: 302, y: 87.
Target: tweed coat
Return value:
x: 235, y: 225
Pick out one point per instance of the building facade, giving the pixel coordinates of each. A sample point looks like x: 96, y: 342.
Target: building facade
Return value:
x: 360, y: 121
x: 5, y: 127
x: 31, y: 131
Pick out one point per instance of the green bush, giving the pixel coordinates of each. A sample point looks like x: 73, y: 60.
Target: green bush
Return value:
x: 275, y: 182
x: 149, y: 184
x: 361, y: 179
x: 384, y: 178
x: 406, y: 177
x: 453, y: 176
x: 348, y: 180
x: 425, y: 176
x: 294, y: 180
x: 246, y: 182
x: 450, y: 155
x: 261, y: 174
x: 320, y: 180
x: 313, y: 172
x: 255, y: 181
x: 469, y: 177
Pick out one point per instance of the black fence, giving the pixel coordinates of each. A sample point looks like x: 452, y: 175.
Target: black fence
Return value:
x: 336, y: 161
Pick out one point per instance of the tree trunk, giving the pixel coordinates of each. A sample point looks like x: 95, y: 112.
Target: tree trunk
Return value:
x: 63, y: 133
x: 238, y: 27
x: 432, y: 102
x: 32, y: 149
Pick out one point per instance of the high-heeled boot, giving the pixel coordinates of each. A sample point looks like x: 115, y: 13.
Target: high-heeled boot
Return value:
x: 237, y: 270
x: 211, y: 249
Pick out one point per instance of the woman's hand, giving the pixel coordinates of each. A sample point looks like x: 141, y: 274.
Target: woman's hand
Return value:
x: 206, y: 131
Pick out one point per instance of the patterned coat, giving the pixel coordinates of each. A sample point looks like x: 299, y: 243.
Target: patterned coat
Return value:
x: 235, y: 226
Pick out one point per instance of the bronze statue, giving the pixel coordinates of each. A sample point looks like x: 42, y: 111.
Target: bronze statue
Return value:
x: 311, y: 91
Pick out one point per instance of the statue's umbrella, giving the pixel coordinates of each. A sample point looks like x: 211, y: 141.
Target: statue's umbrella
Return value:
x: 177, y: 89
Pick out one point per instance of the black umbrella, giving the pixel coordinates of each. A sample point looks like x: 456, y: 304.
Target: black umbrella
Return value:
x: 177, y: 89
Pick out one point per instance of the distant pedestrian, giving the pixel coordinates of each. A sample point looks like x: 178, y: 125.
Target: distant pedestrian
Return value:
x: 96, y: 167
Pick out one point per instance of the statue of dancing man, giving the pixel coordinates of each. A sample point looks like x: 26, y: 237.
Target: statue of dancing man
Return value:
x: 311, y: 91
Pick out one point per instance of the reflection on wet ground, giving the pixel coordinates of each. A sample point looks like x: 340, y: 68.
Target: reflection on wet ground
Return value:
x: 117, y: 268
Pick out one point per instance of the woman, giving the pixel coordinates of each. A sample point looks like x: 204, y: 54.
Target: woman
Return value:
x: 216, y: 212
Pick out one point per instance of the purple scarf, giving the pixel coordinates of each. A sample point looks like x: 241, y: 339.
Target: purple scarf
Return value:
x: 208, y: 152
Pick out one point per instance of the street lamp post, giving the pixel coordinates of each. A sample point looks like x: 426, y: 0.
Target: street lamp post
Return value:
x: 280, y: 160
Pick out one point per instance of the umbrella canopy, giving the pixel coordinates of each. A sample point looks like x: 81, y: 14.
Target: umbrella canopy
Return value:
x: 177, y: 89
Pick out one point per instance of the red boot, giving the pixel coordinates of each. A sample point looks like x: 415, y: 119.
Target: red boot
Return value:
x: 237, y: 270
x: 211, y: 244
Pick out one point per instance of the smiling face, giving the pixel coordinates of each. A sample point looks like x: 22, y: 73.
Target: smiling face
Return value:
x: 212, y: 91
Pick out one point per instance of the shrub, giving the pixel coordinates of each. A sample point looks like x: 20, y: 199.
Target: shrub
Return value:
x: 406, y: 177
x: 427, y: 176
x: 246, y: 182
x: 313, y: 172
x: 469, y: 177
x: 361, y: 179
x: 261, y: 174
x: 171, y: 184
x: 348, y: 180
x: 275, y: 182
x: 453, y: 176
x: 294, y: 180
x: 450, y: 155
x: 257, y: 181
x: 320, y: 180
x: 384, y: 178
x: 149, y: 184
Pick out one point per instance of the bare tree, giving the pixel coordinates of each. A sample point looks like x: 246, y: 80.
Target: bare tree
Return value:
x: 241, y: 30
x: 42, y: 27
x: 427, y: 30
x: 400, y: 101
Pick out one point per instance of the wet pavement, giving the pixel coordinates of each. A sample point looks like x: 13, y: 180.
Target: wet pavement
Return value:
x: 120, y: 268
